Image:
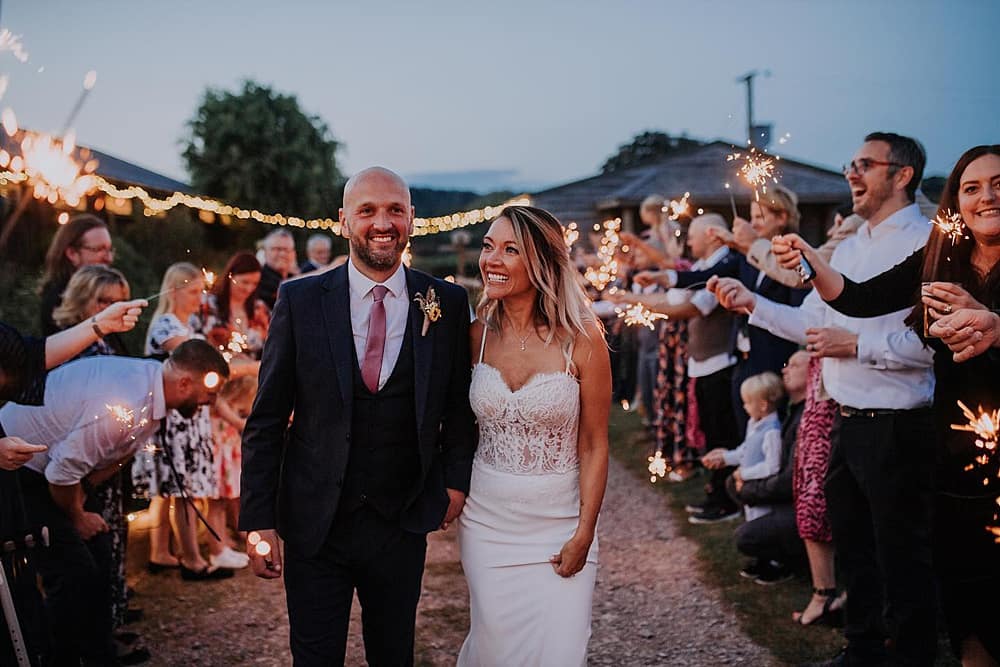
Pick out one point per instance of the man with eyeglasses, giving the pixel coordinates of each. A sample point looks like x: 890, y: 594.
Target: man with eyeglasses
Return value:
x: 879, y: 482
x: 83, y: 241
x: 279, y: 264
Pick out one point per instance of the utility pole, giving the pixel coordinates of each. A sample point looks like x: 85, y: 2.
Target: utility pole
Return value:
x: 753, y: 130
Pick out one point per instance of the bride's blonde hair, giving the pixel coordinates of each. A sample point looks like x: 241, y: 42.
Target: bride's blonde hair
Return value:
x: 562, y: 305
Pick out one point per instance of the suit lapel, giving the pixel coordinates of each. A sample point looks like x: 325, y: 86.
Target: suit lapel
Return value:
x: 423, y: 348
x: 336, y: 304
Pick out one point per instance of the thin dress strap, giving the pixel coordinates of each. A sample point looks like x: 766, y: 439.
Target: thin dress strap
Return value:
x: 482, y: 345
x: 569, y: 359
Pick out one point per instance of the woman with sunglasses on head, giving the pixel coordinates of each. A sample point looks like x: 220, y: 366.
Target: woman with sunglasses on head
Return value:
x: 953, y: 287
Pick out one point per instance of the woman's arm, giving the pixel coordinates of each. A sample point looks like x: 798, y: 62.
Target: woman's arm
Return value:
x: 594, y: 368
x: 116, y: 318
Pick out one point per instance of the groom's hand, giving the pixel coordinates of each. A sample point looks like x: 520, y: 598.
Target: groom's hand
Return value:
x: 456, y: 501
x: 266, y: 565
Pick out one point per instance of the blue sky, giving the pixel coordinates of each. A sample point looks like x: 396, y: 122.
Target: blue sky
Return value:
x: 517, y: 93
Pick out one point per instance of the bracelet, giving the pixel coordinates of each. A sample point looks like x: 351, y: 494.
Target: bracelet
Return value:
x: 97, y: 329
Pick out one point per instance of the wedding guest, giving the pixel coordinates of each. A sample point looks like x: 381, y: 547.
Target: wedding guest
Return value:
x: 319, y: 253
x: 759, y: 455
x: 710, y: 362
x: 92, y: 289
x: 956, y: 314
x: 82, y: 453
x: 878, y: 371
x: 23, y: 364
x: 229, y: 416
x: 771, y: 540
x: 82, y: 241
x: 234, y: 307
x: 184, y: 467
x: 279, y: 263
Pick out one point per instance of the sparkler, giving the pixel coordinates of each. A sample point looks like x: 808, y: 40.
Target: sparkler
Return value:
x: 757, y: 169
x: 88, y: 84
x: 570, y: 234
x: 599, y: 276
x: 951, y: 225
x: 675, y: 208
x: 657, y: 467
x: 639, y: 314
x: 732, y: 201
x: 11, y: 42
x: 985, y: 425
x: 238, y: 343
x: 209, y: 277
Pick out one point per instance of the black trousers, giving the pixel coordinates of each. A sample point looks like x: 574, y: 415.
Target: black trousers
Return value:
x: 715, y: 414
x: 772, y: 537
x: 879, y: 491
x: 76, y: 579
x: 383, y: 563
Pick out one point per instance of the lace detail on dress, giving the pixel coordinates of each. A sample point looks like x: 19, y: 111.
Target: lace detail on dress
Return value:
x: 531, y: 431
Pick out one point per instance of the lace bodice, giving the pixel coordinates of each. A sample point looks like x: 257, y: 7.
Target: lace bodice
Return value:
x: 531, y: 431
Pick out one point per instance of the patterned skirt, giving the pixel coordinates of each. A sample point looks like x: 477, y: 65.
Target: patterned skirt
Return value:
x: 812, y: 459
x: 677, y: 436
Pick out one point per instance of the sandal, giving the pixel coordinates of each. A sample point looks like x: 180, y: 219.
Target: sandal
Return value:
x: 829, y: 616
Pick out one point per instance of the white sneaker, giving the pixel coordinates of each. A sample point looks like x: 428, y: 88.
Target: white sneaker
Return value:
x: 230, y: 559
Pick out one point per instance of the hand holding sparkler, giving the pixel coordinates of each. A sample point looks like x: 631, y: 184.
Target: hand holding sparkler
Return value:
x: 945, y: 298
x: 732, y: 294
x: 968, y: 332
x: 120, y: 317
x: 265, y: 554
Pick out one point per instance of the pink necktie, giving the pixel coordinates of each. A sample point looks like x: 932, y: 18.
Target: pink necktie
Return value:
x: 372, y: 365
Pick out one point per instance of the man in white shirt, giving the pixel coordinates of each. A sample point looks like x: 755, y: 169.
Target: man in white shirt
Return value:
x: 97, y: 413
x: 879, y: 481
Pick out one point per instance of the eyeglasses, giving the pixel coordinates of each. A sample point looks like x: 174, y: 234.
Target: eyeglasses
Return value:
x: 97, y: 249
x: 863, y: 165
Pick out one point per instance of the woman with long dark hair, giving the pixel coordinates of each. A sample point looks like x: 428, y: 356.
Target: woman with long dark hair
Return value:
x: 953, y: 285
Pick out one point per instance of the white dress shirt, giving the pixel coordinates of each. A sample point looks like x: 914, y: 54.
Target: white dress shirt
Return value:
x: 893, y: 367
x: 397, y: 308
x: 706, y: 302
x: 76, y: 423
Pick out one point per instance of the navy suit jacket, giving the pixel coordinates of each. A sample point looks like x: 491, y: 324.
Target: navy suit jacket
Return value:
x: 293, y: 474
x: 767, y: 351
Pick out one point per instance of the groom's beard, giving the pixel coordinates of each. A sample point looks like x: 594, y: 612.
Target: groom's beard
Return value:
x: 380, y: 260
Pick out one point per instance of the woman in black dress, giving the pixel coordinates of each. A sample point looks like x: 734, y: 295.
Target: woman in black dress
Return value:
x: 953, y: 284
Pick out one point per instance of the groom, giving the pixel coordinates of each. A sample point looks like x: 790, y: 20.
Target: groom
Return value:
x: 373, y: 360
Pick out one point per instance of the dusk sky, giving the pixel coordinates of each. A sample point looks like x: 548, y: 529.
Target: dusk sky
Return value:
x: 522, y: 93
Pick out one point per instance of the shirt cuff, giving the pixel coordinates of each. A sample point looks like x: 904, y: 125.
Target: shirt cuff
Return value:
x: 671, y: 278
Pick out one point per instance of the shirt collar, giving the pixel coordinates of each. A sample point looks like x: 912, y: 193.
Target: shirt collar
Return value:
x: 361, y: 285
x: 716, y: 256
x: 901, y: 218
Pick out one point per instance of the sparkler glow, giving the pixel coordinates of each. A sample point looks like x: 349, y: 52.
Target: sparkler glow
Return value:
x: 11, y: 42
x: 757, y: 169
x: 675, y: 208
x: 212, y: 380
x: 570, y: 234
x: 985, y: 425
x: 657, y: 467
x: 951, y: 225
x: 209, y: 277
x: 638, y: 314
x: 599, y: 276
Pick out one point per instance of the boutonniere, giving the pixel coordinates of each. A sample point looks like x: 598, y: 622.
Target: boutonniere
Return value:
x: 431, y: 307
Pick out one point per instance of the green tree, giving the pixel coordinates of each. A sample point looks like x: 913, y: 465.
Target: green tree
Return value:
x: 646, y: 148
x: 257, y: 149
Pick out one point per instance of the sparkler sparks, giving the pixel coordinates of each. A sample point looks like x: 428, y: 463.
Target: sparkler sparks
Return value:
x: 11, y: 42
x: 657, y: 467
x: 570, y: 234
x: 676, y: 208
x: 985, y: 425
x: 638, y: 314
x: 599, y: 276
x: 209, y: 277
x: 951, y: 225
x: 757, y: 169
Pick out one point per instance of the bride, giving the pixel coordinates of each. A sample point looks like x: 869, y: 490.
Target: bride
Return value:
x: 541, y: 391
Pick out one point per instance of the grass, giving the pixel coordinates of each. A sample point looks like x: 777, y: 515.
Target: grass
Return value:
x: 763, y: 612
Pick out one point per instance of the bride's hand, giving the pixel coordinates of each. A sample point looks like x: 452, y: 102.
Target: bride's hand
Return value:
x: 572, y: 557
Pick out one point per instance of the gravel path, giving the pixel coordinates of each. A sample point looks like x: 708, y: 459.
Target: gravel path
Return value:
x: 650, y: 607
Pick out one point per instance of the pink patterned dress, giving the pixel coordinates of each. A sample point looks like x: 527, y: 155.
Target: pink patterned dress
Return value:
x: 812, y: 458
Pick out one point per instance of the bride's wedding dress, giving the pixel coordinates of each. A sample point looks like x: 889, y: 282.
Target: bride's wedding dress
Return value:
x: 523, y: 505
